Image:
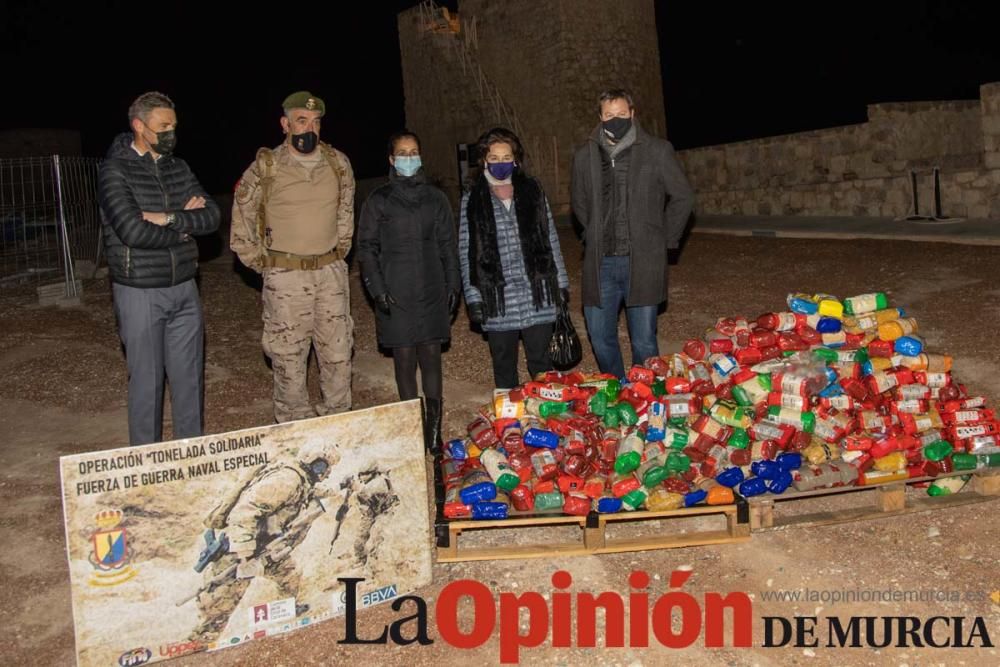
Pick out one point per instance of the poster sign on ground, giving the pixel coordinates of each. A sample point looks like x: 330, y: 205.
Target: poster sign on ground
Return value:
x: 209, y: 542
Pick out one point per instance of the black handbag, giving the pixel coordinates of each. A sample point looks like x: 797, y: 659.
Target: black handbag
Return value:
x: 564, y: 348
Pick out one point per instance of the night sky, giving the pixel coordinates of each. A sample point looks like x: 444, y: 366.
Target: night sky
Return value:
x: 730, y: 72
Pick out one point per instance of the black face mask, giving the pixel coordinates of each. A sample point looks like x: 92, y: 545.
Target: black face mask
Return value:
x: 616, y: 128
x: 166, y: 142
x: 305, y: 143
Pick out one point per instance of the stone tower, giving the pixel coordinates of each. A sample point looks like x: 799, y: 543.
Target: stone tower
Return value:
x: 534, y: 66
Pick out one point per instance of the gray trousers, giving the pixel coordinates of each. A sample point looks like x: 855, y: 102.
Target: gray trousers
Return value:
x: 163, y: 332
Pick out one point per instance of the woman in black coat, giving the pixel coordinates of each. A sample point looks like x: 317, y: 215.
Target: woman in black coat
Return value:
x: 409, y: 264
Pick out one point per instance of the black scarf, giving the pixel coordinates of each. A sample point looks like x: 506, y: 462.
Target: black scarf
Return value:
x: 485, y: 270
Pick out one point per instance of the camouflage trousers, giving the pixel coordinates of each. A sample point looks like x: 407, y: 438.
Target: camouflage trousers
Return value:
x: 304, y: 309
x: 217, y: 605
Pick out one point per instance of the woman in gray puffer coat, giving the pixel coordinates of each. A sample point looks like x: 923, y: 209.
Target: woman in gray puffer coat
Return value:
x: 512, y: 267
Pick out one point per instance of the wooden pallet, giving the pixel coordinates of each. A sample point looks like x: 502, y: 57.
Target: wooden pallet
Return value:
x: 890, y: 500
x: 593, y: 538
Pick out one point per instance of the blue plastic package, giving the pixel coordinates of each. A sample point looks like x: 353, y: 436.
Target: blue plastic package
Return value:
x: 832, y: 390
x: 802, y: 306
x: 609, y: 504
x: 730, y: 477
x: 828, y: 325
x: 780, y: 483
x: 456, y: 449
x: 488, y: 510
x: 695, y: 497
x: 765, y: 469
x: 908, y: 346
x: 538, y: 437
x: 752, y: 487
x: 790, y: 461
x: 478, y: 492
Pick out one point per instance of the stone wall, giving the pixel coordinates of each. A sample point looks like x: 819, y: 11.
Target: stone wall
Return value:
x: 548, y: 58
x: 442, y: 104
x: 989, y: 100
x: 604, y: 45
x: 862, y: 169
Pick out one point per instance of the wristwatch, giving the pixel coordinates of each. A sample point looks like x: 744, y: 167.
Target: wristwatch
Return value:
x: 171, y: 217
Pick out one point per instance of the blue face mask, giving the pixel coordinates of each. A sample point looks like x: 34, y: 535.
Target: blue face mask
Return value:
x: 407, y: 165
x: 500, y: 170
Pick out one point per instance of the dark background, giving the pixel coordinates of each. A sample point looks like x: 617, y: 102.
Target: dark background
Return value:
x: 730, y: 72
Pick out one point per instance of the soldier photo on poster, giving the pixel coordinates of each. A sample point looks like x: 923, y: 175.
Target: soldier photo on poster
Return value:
x: 209, y: 542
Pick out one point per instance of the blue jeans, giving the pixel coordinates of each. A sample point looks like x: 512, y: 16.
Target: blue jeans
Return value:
x: 602, y: 321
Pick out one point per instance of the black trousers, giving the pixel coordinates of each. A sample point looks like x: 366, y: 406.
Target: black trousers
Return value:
x: 503, y: 350
x: 405, y: 361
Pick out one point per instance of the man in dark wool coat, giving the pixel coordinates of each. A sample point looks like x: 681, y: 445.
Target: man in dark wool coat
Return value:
x: 632, y: 199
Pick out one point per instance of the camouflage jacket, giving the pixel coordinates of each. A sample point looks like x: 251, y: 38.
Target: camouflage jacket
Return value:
x: 252, y: 193
x: 270, y: 501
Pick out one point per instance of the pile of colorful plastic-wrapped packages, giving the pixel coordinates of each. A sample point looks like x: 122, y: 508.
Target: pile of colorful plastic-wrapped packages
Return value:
x: 828, y: 393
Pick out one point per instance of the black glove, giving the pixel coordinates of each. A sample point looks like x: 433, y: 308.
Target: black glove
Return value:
x: 477, y: 314
x: 383, y: 301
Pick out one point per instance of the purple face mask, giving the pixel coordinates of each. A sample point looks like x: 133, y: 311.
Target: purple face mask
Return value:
x: 500, y: 170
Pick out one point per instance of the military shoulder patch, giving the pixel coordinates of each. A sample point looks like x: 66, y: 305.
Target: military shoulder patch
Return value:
x: 244, y: 191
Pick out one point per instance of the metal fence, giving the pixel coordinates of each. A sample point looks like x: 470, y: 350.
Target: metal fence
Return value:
x: 49, y: 218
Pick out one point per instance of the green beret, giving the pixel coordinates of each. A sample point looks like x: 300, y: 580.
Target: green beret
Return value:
x: 304, y: 100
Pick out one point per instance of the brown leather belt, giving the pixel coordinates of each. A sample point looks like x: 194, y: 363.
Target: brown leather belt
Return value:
x: 286, y: 260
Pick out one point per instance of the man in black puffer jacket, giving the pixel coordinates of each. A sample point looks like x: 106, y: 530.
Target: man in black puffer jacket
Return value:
x: 151, y: 205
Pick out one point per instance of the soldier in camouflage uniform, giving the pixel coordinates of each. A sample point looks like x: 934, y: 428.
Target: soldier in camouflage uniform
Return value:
x: 268, y: 517
x: 293, y: 219
x: 263, y: 522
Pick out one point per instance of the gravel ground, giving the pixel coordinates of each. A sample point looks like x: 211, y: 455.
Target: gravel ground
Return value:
x: 62, y: 390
